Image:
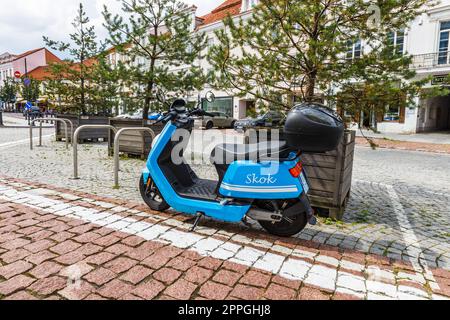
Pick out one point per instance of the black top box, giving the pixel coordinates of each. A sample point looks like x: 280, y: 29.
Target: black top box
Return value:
x: 312, y: 127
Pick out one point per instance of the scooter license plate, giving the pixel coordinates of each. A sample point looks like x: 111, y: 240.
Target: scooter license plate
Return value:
x: 304, y: 183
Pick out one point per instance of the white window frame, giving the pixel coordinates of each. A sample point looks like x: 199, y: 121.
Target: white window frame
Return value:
x: 353, y: 50
x: 395, y: 42
x: 440, y: 32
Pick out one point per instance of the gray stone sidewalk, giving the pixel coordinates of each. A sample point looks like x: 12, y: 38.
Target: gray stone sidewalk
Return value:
x: 400, y: 204
x: 16, y: 120
x: 432, y: 137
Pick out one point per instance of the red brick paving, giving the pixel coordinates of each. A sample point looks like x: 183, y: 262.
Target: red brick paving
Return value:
x: 256, y: 279
x: 308, y: 293
x: 227, y: 277
x: 34, y: 261
x: 137, y: 274
x: 214, y: 291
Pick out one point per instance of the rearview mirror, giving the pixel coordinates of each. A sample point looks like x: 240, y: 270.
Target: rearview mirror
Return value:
x: 210, y: 97
x: 160, y: 96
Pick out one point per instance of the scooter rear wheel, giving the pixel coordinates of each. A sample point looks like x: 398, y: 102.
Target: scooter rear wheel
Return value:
x: 286, y: 227
x: 151, y: 195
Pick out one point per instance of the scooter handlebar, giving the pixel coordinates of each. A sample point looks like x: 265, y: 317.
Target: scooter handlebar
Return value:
x: 166, y: 118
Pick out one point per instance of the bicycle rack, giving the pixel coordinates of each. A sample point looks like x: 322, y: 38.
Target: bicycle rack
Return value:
x: 40, y: 120
x: 117, y: 151
x: 71, y: 128
x: 75, y: 143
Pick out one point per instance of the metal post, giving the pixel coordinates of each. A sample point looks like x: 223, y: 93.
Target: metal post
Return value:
x: 40, y: 131
x: 75, y: 144
x: 71, y: 129
x: 117, y: 151
x: 31, y: 137
x: 1, y: 118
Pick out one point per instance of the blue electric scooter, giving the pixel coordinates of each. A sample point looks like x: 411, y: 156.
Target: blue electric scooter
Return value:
x: 263, y: 182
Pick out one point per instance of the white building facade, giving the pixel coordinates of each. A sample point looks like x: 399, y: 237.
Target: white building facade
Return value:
x: 427, y: 39
x: 6, y: 67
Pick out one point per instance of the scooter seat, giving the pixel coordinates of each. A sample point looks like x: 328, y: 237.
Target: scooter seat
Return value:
x: 226, y: 154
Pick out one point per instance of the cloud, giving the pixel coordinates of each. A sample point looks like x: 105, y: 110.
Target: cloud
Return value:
x: 24, y: 22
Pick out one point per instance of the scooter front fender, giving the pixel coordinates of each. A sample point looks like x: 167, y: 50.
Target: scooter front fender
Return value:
x: 213, y: 209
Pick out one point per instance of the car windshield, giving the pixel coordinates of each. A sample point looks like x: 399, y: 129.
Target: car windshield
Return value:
x: 267, y: 115
x: 262, y: 117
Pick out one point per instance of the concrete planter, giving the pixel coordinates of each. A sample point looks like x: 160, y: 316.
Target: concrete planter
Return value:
x: 87, y: 135
x: 133, y: 143
x: 329, y: 174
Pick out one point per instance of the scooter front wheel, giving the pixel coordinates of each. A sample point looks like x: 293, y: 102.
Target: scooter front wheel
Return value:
x: 151, y: 195
x: 287, y: 227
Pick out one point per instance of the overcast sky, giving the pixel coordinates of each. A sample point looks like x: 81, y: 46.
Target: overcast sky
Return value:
x: 24, y: 22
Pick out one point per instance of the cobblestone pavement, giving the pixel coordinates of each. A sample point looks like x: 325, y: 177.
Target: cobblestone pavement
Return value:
x: 399, y: 209
x: 60, y: 244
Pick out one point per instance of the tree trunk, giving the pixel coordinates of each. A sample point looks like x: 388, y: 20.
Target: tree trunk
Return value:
x: 83, y: 101
x: 311, y: 87
x: 147, y: 100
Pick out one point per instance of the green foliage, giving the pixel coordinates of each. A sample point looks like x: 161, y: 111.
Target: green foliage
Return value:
x: 32, y: 91
x: 58, y: 88
x: 8, y: 91
x: 74, y: 77
x: 107, y: 86
x: 298, y: 50
x: 157, y: 38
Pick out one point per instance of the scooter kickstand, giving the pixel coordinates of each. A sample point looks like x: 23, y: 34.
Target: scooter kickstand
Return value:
x: 197, y: 221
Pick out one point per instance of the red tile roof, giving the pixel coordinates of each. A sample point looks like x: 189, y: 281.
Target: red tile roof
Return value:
x: 27, y: 53
x: 44, y: 72
x: 40, y: 73
x: 50, y: 57
x: 229, y: 7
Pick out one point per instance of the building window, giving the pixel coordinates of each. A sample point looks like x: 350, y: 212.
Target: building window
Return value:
x: 224, y: 105
x: 396, y: 40
x: 248, y: 4
x: 392, y: 113
x: 354, y: 49
x: 444, y: 36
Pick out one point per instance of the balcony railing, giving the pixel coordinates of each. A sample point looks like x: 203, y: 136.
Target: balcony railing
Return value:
x: 431, y: 60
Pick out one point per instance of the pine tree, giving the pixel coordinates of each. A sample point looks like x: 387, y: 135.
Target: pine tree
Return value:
x: 9, y: 91
x: 78, y: 70
x: 31, y: 91
x: 107, y: 85
x: 161, y: 48
x: 57, y: 87
x: 291, y: 50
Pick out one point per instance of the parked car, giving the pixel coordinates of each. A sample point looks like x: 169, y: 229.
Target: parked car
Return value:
x: 268, y: 120
x: 139, y: 115
x: 216, y: 120
x: 34, y: 112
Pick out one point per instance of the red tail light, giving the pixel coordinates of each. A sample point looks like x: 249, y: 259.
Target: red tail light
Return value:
x: 297, y: 170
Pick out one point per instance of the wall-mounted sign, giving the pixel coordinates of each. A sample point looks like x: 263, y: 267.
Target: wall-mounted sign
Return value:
x: 441, y: 79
